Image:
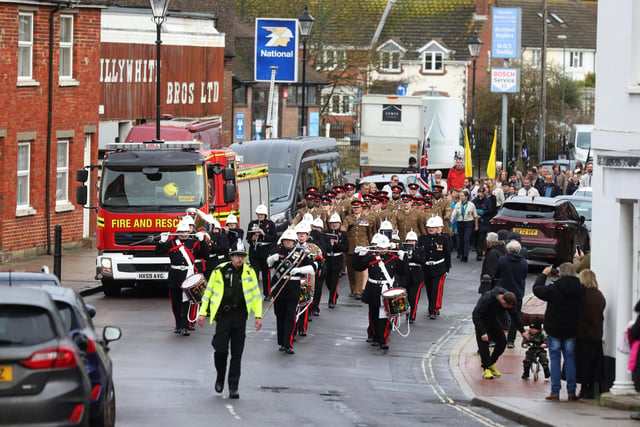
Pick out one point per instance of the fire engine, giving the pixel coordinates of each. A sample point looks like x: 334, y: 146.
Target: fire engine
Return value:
x: 145, y: 189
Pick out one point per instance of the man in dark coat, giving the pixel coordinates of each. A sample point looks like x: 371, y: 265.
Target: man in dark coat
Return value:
x: 511, y: 272
x: 488, y: 312
x: 484, y: 209
x: 495, y: 249
x: 564, y: 303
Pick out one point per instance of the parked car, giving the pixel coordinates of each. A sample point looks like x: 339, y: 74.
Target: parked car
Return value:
x: 28, y: 278
x: 582, y: 205
x: 77, y: 319
x: 584, y: 191
x: 550, y: 227
x: 42, y: 380
x: 381, y: 180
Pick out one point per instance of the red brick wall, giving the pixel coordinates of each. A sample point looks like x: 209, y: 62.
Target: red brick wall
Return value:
x: 25, y: 110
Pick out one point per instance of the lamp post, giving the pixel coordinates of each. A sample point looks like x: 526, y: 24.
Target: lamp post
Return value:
x: 563, y: 37
x: 159, y: 11
x: 474, y: 44
x: 305, y: 22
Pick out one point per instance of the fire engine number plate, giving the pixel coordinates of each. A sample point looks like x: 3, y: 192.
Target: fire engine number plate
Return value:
x: 153, y: 276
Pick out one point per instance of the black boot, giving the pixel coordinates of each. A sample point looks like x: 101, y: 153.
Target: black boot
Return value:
x: 525, y: 373
x: 220, y: 361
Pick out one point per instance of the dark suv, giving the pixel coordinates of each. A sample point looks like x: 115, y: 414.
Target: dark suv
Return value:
x: 42, y: 380
x: 550, y: 227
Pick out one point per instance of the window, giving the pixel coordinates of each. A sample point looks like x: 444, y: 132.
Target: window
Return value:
x: 25, y: 45
x: 390, y: 61
x: 333, y: 58
x: 66, y: 46
x: 62, y: 172
x: 24, y: 164
x: 536, y: 58
x: 240, y: 95
x: 575, y: 60
x: 341, y: 104
x: 294, y: 95
x: 433, y: 61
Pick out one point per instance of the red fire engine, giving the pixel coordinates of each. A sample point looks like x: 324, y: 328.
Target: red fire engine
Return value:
x: 145, y: 188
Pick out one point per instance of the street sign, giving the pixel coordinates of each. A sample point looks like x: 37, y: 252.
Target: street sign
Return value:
x: 402, y: 89
x: 239, y: 126
x: 506, y: 32
x: 276, y: 45
x: 314, y: 123
x: 505, y: 80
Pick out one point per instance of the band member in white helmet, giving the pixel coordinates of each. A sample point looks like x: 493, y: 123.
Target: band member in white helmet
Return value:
x: 287, y: 291
x: 437, y: 263
x: 261, y: 236
x: 336, y: 244
x: 413, y: 257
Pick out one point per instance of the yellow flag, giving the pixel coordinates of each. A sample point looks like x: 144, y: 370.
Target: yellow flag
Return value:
x: 468, y: 168
x: 491, y: 166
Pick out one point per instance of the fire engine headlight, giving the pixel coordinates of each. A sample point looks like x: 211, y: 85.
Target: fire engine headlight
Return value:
x: 279, y: 218
x: 105, y: 263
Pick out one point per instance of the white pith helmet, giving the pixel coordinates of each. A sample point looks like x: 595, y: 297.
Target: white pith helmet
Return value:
x: 262, y: 210
x: 412, y: 236
x: 289, y: 234
x: 434, y: 221
x: 231, y: 219
x: 335, y: 218
x: 303, y: 227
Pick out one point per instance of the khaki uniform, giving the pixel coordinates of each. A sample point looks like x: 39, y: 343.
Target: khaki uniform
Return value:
x: 358, y: 230
x: 442, y: 208
x: 408, y: 220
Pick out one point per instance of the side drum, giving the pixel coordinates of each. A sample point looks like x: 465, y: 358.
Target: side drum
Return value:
x: 396, y: 301
x: 194, y: 287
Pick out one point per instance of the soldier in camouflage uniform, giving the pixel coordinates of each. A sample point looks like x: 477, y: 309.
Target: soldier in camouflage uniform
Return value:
x: 537, y: 349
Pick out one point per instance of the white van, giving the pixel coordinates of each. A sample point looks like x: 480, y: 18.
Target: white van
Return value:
x: 580, y: 142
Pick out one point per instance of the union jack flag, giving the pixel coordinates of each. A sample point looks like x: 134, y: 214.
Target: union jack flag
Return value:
x: 424, y: 162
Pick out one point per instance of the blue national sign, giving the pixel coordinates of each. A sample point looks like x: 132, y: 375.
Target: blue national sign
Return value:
x: 276, y: 46
x: 506, y: 32
x: 239, y: 126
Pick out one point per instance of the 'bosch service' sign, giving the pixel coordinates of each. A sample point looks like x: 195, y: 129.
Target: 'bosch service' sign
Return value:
x: 276, y: 46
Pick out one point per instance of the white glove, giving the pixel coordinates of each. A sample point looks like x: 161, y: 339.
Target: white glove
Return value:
x: 164, y: 237
x: 307, y: 269
x: 272, y: 259
x: 200, y: 235
x: 401, y: 254
x: 294, y: 271
x: 361, y: 250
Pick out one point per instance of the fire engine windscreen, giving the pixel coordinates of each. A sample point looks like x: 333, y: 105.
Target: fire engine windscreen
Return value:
x: 153, y: 186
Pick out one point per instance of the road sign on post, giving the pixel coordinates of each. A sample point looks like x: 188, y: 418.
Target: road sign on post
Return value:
x: 276, y: 45
x: 506, y: 32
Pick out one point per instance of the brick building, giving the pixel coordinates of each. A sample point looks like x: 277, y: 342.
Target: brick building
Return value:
x: 49, y: 93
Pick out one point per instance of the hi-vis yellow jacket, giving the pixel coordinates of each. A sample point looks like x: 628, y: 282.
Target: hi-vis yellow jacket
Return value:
x: 215, y: 288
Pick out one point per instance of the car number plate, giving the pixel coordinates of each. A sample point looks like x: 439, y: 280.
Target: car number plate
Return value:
x: 526, y: 231
x: 6, y: 374
x: 153, y: 276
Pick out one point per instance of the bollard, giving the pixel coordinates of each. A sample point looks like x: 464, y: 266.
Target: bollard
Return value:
x: 57, y: 252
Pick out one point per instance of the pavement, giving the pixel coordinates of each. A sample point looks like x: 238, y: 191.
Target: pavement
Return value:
x: 522, y: 401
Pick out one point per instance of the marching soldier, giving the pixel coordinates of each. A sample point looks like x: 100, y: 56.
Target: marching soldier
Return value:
x: 183, y: 250
x: 437, y: 263
x: 219, y: 251
x: 316, y: 254
x: 381, y: 266
x: 309, y: 206
x: 287, y: 289
x: 234, y: 233
x: 414, y: 278
x: 317, y: 237
x: 408, y: 219
x: 441, y: 206
x: 336, y: 244
x: 261, y: 235
x: 359, y: 232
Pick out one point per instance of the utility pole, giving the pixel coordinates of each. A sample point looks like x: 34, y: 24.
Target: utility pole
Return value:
x: 543, y: 83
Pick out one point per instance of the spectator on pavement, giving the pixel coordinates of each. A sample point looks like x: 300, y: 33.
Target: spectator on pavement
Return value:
x: 487, y: 313
x: 456, y: 176
x: 495, y: 249
x: 589, y: 354
x: 527, y: 189
x: 511, y: 272
x: 564, y: 303
x: 412, y: 168
x: 581, y: 261
x: 585, y: 180
x: 550, y: 188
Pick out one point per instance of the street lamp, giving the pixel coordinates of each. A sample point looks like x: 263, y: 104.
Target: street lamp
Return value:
x: 159, y: 11
x: 305, y: 22
x: 474, y: 44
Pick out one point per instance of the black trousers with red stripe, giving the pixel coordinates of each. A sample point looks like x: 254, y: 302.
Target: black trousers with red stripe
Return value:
x: 261, y: 267
x: 285, y: 311
x: 378, y: 326
x: 435, y: 288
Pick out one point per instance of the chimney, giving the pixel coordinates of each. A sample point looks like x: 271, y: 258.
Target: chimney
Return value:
x: 482, y: 7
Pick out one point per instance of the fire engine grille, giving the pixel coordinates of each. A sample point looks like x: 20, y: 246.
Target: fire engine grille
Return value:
x: 136, y: 239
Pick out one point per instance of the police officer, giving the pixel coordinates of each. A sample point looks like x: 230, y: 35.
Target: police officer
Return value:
x: 287, y: 292
x: 182, y: 250
x: 261, y: 235
x: 336, y: 245
x: 231, y: 294
x: 437, y: 263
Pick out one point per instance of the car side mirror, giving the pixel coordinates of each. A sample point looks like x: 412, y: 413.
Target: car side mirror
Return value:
x: 111, y: 333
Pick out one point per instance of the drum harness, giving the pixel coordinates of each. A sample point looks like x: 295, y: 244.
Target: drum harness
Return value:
x: 386, y: 285
x: 190, y: 271
x: 295, y: 257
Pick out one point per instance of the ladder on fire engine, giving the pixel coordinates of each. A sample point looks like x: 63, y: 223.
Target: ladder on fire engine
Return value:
x: 269, y: 125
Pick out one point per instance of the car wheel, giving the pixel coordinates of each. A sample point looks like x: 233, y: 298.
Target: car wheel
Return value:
x: 108, y: 416
x: 110, y: 288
